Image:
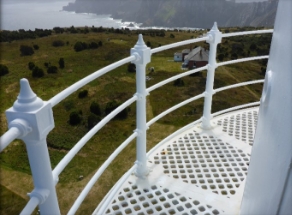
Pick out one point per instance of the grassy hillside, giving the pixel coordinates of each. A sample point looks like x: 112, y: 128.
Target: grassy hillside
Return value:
x: 118, y: 85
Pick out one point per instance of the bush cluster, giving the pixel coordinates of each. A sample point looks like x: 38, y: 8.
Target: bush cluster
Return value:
x: 80, y: 46
x: 3, y: 70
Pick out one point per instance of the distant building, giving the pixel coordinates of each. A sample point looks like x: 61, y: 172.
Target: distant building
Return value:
x: 198, y: 57
x: 179, y: 56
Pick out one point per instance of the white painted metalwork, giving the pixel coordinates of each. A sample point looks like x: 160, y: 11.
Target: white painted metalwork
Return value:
x: 247, y: 33
x: 242, y: 60
x: 174, y: 108
x: 238, y: 85
x: 269, y: 181
x: 214, y: 38
x: 193, y: 71
x: 96, y: 176
x: 31, y: 119
x: 12, y: 134
x: 174, y: 45
x: 195, y: 172
x: 65, y: 161
x: 65, y: 93
x: 143, y: 55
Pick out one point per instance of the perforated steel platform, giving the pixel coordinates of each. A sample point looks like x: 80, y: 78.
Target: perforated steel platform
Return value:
x: 197, y: 172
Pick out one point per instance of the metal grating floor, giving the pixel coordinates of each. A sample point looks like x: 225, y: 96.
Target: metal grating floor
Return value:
x: 197, y: 172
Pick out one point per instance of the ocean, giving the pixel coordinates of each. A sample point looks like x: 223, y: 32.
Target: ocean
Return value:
x: 31, y: 14
x: 47, y: 14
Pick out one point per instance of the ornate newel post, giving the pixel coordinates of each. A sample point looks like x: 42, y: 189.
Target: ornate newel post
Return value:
x: 214, y: 37
x: 34, y: 118
x: 142, y: 54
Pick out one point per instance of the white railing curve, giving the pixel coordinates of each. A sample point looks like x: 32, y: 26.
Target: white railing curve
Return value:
x: 31, y: 119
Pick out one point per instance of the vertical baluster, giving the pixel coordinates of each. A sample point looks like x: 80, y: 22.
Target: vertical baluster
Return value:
x: 215, y: 37
x: 34, y: 118
x: 142, y: 54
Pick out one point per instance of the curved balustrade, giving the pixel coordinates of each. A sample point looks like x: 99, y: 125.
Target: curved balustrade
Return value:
x: 140, y: 56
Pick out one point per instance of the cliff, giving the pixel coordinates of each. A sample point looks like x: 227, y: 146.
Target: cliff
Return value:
x: 182, y: 13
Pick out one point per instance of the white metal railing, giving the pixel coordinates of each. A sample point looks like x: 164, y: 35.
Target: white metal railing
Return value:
x: 31, y: 119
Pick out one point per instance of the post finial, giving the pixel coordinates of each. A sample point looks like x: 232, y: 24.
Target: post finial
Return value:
x: 140, y: 43
x: 215, y: 27
x: 27, y: 99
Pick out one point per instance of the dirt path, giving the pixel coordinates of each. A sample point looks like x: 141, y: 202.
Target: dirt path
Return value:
x: 238, y: 81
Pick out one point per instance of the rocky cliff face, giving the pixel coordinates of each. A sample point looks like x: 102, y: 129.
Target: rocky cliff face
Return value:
x: 183, y: 13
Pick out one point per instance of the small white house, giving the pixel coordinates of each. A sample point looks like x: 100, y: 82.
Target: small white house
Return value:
x: 177, y: 57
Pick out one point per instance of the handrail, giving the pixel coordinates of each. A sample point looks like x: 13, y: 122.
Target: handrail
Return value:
x: 173, y: 45
x: 242, y: 60
x: 247, y: 33
x: 174, y: 108
x: 235, y: 108
x: 10, y: 135
x: 30, y: 206
x: 140, y: 54
x: 96, y: 176
x: 68, y: 91
x: 116, y: 187
x: 173, y: 78
x: 64, y: 162
x: 238, y: 85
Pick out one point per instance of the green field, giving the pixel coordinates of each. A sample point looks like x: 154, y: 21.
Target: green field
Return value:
x: 117, y: 85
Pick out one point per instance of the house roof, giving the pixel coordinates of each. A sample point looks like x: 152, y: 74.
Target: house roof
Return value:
x: 198, y: 54
x: 186, y: 51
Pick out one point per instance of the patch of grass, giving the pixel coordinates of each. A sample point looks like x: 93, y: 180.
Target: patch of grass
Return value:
x: 117, y: 85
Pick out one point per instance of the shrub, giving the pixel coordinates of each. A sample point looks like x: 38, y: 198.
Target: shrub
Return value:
x: 3, y: 70
x: 92, y: 120
x: 46, y: 64
x: 179, y: 82
x: 61, y: 63
x: 172, y: 36
x: 74, y: 118
x: 83, y: 94
x: 58, y: 43
x: 110, y: 106
x: 31, y: 65
x: 37, y: 72
x: 148, y: 44
x: 93, y: 45
x: 221, y: 57
x: 131, y: 67
x: 99, y: 43
x: 52, y: 69
x: 36, y: 47
x: 78, y: 46
x: 26, y: 50
x: 95, y: 108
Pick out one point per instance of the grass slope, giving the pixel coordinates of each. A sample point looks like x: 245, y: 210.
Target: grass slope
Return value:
x: 118, y: 85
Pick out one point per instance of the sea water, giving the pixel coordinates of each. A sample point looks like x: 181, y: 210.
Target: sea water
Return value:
x: 47, y: 14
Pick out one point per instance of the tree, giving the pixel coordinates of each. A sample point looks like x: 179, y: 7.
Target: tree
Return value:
x: 37, y: 72
x: 26, y: 50
x: 131, y: 67
x: 3, y: 70
x: 74, y: 118
x: 61, y: 63
x: 31, y: 65
x: 95, y: 108
x: 52, y: 69
x: 92, y: 120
